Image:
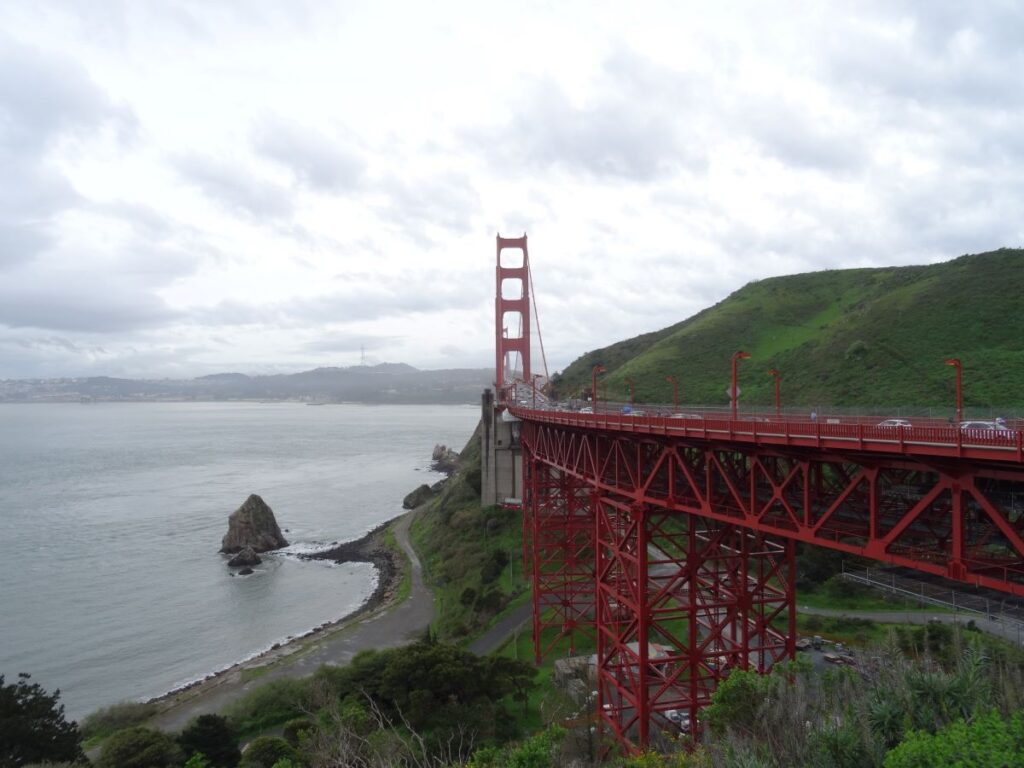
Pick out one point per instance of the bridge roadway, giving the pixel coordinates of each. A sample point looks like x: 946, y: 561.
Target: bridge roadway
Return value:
x: 934, y: 440
x: 934, y: 498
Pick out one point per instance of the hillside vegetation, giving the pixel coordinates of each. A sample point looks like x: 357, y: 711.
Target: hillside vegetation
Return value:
x: 856, y: 337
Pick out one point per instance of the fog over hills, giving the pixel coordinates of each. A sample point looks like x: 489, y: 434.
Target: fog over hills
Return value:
x: 384, y: 383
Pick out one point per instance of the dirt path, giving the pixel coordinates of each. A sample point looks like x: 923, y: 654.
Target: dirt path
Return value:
x: 385, y: 627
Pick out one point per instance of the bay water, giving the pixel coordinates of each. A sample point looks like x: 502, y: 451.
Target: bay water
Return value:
x: 111, y: 516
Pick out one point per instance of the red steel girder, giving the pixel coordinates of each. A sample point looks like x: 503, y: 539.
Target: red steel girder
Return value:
x: 561, y: 540
x: 680, y: 600
x: 953, y: 517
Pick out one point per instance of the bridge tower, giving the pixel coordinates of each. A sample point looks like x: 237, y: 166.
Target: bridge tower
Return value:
x: 511, y: 314
x: 501, y: 475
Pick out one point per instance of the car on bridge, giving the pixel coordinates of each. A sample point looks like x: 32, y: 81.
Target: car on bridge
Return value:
x: 982, y: 426
x: 890, y: 423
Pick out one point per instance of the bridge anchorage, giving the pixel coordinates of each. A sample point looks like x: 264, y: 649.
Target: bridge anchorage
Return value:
x: 667, y: 540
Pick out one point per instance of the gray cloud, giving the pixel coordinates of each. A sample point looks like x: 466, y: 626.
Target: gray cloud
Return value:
x: 235, y: 188
x: 316, y: 160
x: 415, y: 207
x: 77, y: 308
x: 43, y: 99
x: 349, y: 342
x: 632, y: 131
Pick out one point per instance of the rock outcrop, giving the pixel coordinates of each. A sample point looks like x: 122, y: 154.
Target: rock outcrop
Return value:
x: 417, y: 497
x: 445, y: 459
x: 247, y: 556
x: 252, y: 525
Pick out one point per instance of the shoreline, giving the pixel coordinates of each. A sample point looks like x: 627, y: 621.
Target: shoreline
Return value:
x: 369, y: 548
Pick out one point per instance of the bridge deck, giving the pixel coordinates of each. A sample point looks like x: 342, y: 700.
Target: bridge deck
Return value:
x: 1003, y: 446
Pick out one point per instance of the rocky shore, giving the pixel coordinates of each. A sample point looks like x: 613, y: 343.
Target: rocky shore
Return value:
x: 370, y: 548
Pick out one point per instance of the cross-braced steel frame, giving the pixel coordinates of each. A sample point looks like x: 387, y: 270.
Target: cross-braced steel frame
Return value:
x: 560, y: 523
x: 693, y: 547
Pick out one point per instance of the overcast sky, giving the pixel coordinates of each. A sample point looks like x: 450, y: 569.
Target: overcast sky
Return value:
x: 256, y: 186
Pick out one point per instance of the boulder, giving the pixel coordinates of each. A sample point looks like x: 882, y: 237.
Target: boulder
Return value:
x: 445, y: 459
x: 246, y: 572
x: 247, y: 556
x: 417, y: 497
x: 252, y: 525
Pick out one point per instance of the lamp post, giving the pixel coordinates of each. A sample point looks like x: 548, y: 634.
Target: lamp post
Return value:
x: 735, y: 393
x: 955, y: 362
x: 593, y: 386
x: 629, y: 385
x: 675, y: 391
x: 778, y: 378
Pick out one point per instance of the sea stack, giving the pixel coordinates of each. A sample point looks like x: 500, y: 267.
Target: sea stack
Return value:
x: 252, y: 525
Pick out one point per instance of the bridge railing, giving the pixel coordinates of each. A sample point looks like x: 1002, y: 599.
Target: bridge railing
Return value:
x: 944, y: 439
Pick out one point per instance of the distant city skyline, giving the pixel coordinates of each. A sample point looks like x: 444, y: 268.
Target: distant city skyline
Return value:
x: 194, y: 187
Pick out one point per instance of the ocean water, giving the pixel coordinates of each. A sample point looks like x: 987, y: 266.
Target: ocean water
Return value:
x: 111, y: 515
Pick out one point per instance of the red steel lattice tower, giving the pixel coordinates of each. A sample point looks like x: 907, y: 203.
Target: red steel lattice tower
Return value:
x: 561, y: 547
x: 512, y: 314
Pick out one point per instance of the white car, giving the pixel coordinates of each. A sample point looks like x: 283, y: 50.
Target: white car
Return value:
x: 982, y: 426
x: 586, y: 409
x: 895, y: 423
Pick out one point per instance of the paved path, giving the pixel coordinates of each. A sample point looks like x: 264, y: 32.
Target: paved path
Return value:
x: 495, y: 637
x: 997, y: 628
x: 385, y: 627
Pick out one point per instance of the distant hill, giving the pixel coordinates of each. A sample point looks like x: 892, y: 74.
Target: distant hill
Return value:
x: 857, y: 337
x: 385, y: 383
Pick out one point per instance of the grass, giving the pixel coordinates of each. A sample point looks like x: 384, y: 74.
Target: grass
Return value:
x: 405, y: 583
x: 858, y: 337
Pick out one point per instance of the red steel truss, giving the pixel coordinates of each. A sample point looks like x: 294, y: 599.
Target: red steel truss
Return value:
x: 693, y: 543
x: 560, y: 522
x: 680, y: 601
x: 954, y: 517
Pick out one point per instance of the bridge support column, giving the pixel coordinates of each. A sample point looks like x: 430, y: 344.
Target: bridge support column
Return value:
x: 682, y: 600
x: 560, y: 526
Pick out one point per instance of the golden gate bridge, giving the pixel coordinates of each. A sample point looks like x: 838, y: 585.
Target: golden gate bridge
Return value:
x: 669, y: 538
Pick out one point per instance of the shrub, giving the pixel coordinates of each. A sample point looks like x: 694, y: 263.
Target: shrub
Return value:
x: 265, y: 751
x: 269, y: 705
x: 140, y: 747
x: 214, y: 738
x: 117, y: 717
x: 293, y: 730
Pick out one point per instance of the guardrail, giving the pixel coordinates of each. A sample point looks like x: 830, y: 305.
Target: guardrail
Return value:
x: 1006, y: 612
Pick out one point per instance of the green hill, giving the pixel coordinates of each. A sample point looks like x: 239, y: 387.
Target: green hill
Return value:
x: 856, y: 337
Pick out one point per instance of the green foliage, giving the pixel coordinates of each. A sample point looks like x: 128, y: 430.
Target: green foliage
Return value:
x: 32, y: 725
x: 294, y: 729
x: 116, y: 717
x: 214, y: 738
x: 470, y: 553
x: 539, y: 751
x: 842, y: 337
x: 266, y: 752
x: 988, y: 741
x: 269, y: 705
x: 198, y: 760
x: 140, y: 747
x: 434, y: 687
x: 737, y: 701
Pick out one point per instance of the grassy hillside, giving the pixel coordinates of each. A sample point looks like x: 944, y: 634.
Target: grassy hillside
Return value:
x: 858, y: 337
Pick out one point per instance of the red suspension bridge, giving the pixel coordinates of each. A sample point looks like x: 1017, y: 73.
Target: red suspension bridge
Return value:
x: 670, y: 538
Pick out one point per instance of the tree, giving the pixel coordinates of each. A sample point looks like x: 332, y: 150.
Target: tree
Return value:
x: 140, y: 748
x: 266, y: 751
x: 214, y: 738
x: 32, y: 726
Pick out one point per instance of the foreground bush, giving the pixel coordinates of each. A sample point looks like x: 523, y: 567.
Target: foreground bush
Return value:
x: 140, y: 748
x: 116, y: 717
x: 266, y: 751
x: 213, y: 737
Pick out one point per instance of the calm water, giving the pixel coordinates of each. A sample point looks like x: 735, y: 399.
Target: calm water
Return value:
x: 111, y: 516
